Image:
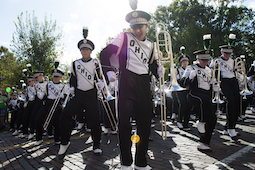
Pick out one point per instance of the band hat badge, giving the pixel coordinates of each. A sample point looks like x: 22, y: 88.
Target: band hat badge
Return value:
x: 203, y: 54
x: 85, y: 43
x: 137, y: 17
x: 57, y: 73
x: 226, y: 48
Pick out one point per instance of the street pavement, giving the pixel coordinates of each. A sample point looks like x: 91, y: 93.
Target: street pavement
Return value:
x: 178, y: 151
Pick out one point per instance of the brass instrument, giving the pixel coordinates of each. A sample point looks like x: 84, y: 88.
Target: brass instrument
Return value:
x: 240, y: 66
x: 52, y: 110
x: 216, y: 97
x: 107, y: 95
x: 163, y: 42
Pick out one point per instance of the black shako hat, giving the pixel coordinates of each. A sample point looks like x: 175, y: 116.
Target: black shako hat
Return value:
x: 57, y: 73
x: 85, y: 43
x: 184, y: 57
x: 137, y: 18
x: 203, y: 54
x: 37, y: 73
x: 30, y: 78
x: 226, y: 48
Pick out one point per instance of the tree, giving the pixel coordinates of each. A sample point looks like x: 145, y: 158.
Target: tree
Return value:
x: 10, y: 73
x: 36, y: 43
x: 188, y: 20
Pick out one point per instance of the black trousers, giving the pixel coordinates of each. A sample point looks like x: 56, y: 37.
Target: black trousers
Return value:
x: 27, y: 116
x: 83, y: 100
x: 184, y: 107
x: 38, y: 106
x: 19, y: 118
x: 14, y: 115
x: 55, y: 121
x: 201, y: 99
x: 230, y: 90
x: 134, y: 101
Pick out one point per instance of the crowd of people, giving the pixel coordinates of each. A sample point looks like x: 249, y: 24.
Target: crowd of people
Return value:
x: 125, y: 71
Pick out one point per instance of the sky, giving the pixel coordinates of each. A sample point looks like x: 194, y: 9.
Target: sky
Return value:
x: 104, y: 19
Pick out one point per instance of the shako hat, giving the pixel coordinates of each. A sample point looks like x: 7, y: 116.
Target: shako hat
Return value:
x: 30, y: 78
x: 226, y: 48
x: 137, y: 18
x: 57, y: 73
x: 203, y: 54
x: 85, y: 43
x: 184, y: 57
x: 37, y: 73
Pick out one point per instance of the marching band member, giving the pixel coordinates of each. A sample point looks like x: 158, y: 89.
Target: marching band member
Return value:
x: 184, y: 107
x: 14, y: 109
x: 82, y: 84
x: 54, y: 89
x: 40, y: 88
x: 21, y: 100
x: 31, y: 95
x: 136, y: 61
x: 251, y: 84
x: 230, y: 88
x: 198, y: 78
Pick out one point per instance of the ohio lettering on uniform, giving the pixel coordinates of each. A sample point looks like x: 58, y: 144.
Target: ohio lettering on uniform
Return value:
x: 204, y: 76
x: 138, y: 54
x: 54, y: 90
x: 85, y: 74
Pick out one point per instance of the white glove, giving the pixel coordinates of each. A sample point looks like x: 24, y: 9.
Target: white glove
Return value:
x: 192, y: 74
x: 111, y: 76
x: 161, y: 71
x: 71, y: 90
x: 40, y: 95
x: 100, y: 84
x: 216, y: 88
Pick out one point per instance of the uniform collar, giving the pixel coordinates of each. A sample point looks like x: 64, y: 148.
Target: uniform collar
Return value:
x: 223, y: 58
x: 200, y: 66
x: 86, y: 60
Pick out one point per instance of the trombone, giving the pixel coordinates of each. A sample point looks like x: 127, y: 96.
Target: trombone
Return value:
x: 105, y: 95
x: 239, y: 65
x: 216, y: 95
x: 162, y: 60
x: 163, y: 39
x: 52, y: 110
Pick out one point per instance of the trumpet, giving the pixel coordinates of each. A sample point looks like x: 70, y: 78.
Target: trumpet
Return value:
x: 107, y: 95
x: 239, y: 65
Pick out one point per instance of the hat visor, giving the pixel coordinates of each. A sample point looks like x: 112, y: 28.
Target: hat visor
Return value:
x: 137, y: 25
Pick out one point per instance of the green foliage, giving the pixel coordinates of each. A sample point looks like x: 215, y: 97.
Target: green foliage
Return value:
x: 36, y: 43
x: 10, y: 69
x: 188, y: 20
